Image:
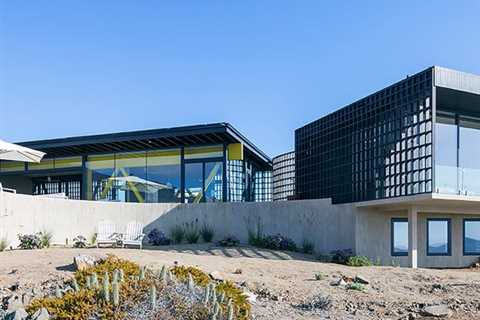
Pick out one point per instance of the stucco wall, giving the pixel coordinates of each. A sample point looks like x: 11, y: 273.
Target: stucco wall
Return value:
x: 373, y: 230
x: 328, y: 226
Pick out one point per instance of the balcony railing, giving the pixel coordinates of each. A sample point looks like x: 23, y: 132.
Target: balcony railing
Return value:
x: 455, y: 180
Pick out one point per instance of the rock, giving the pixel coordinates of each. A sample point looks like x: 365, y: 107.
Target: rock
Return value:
x: 339, y: 282
x: 238, y: 271
x: 83, y: 262
x: 13, y: 303
x: 41, y: 314
x: 19, y: 314
x: 14, y: 286
x: 438, y: 311
x: 361, y: 279
x: 217, y: 275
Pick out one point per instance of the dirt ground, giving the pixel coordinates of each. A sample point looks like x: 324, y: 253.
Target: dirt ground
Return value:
x: 282, y: 281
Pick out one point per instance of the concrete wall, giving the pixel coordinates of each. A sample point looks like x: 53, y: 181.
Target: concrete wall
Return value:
x: 373, y: 230
x: 328, y: 226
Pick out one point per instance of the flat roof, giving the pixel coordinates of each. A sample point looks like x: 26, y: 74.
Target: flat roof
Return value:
x: 196, y: 135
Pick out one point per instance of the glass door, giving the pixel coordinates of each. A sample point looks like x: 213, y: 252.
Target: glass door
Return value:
x: 203, y: 181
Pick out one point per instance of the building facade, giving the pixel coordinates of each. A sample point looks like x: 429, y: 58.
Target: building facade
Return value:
x: 407, y: 158
x: 205, y: 163
x: 284, y: 176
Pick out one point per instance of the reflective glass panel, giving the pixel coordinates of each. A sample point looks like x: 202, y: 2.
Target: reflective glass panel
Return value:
x: 193, y: 182
x: 446, y: 173
x: 130, y: 182
x: 469, y: 155
x: 213, y: 181
x: 471, y: 240
x: 70, y: 162
x: 163, y: 176
x: 100, y: 174
x: 11, y: 166
x: 399, y: 237
x: 42, y: 165
x: 438, y: 242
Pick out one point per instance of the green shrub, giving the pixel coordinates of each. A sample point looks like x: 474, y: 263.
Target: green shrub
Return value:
x: 319, y: 276
x: 308, y: 247
x: 255, y: 233
x: 3, y: 244
x: 30, y: 241
x: 45, y: 238
x: 177, y: 233
x: 207, y: 233
x: 192, y: 234
x: 355, y: 286
x: 181, y: 272
x: 359, y: 261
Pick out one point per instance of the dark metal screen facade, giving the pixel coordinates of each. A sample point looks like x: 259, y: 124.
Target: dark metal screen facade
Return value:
x: 378, y: 147
x: 284, y: 176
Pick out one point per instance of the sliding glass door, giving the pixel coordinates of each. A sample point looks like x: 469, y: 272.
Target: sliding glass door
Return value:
x: 203, y: 181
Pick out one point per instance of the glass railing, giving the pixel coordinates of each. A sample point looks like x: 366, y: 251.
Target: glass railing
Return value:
x: 455, y: 180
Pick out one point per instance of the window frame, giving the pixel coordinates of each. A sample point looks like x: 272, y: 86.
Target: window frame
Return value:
x: 449, y: 237
x: 392, y: 238
x: 465, y: 220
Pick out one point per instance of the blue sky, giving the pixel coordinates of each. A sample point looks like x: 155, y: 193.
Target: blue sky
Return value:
x: 268, y: 67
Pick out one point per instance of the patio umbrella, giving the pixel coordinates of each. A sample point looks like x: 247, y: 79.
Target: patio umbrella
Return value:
x: 14, y: 152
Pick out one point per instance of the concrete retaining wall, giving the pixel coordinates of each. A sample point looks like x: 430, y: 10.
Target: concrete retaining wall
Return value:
x: 328, y: 226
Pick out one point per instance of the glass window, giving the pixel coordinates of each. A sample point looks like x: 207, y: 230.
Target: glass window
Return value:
x: 130, y: 178
x: 213, y: 181
x: 446, y: 174
x: 399, y: 236
x: 438, y: 237
x: 70, y: 162
x: 193, y: 182
x: 163, y: 176
x: 42, y: 165
x: 471, y: 237
x: 469, y: 154
x: 100, y: 171
x: 204, y: 152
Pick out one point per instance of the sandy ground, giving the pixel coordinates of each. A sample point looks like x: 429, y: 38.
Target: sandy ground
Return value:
x: 281, y: 280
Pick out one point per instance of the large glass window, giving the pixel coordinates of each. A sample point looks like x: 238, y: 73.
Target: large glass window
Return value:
x: 193, y: 182
x: 11, y: 166
x: 130, y: 178
x: 399, y: 236
x: 213, y: 181
x: 446, y: 173
x: 163, y: 176
x: 471, y: 237
x: 203, y: 182
x: 438, y: 237
x: 469, y: 155
x: 100, y: 174
x: 204, y: 152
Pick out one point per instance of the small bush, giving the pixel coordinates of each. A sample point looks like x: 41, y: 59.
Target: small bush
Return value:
x: 319, y: 276
x: 177, y: 233
x: 93, y: 239
x: 279, y: 242
x: 158, y: 238
x: 308, y: 247
x: 79, y: 242
x: 181, y: 272
x: 355, y: 286
x: 359, y: 261
x: 229, y: 241
x: 3, y: 244
x: 207, y: 233
x: 341, y: 256
x: 192, y: 234
x: 255, y: 233
x: 30, y: 241
x: 45, y: 238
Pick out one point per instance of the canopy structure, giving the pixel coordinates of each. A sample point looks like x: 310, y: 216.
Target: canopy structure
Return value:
x: 14, y: 152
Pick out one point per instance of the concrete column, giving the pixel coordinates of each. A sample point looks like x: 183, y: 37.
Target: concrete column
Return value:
x: 412, y: 237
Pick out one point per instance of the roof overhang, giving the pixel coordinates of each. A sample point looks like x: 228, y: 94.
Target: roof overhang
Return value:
x: 198, y: 135
x: 428, y: 202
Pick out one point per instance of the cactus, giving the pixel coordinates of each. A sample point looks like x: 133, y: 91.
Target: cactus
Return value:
x: 163, y: 274
x: 153, y: 296
x: 190, y: 283
x: 222, y: 297
x: 106, y: 277
x: 75, y: 285
x: 115, y: 276
x: 106, y: 289
x: 94, y: 281
x: 142, y: 273
x: 206, y: 296
x: 216, y: 309
x: 214, y: 295
x: 88, y: 282
x: 230, y: 311
x: 58, y: 293
x: 121, y: 275
x: 116, y: 294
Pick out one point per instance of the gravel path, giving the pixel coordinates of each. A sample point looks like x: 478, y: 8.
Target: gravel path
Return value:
x: 281, y: 280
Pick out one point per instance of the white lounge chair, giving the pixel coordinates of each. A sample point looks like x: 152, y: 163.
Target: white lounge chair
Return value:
x: 133, y: 235
x: 106, y: 233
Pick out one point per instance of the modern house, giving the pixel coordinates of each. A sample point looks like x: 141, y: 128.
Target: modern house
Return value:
x: 407, y: 159
x: 202, y: 163
x: 284, y: 176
